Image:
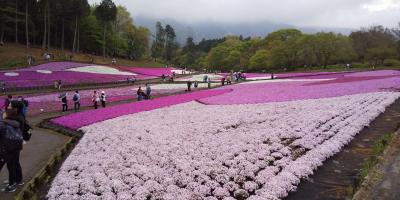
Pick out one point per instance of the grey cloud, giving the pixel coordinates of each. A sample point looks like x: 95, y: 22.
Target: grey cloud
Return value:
x: 326, y: 13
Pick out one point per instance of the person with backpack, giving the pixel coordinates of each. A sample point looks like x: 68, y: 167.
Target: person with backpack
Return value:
x: 95, y: 99
x: 24, y: 104
x: 77, y: 101
x: 64, y: 102
x: 11, y: 141
x: 103, y: 99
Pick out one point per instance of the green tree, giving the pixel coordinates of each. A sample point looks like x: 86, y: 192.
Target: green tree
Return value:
x: 158, y: 45
x: 170, y: 43
x: 189, y: 53
x: 81, y: 9
x: 367, y: 42
x: 138, y: 42
x: 106, y: 12
x: 260, y: 60
x: 91, y: 37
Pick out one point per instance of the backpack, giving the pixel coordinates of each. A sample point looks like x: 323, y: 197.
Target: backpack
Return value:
x: 27, y: 132
x: 14, y: 143
x: 26, y: 102
x: 75, y: 98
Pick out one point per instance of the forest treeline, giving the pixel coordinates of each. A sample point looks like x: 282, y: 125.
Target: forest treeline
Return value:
x: 109, y: 30
x: 103, y: 29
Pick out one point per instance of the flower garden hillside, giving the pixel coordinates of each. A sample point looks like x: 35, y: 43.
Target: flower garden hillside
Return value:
x: 255, y: 140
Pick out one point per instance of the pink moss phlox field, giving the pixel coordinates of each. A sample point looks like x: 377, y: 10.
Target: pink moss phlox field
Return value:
x: 196, y: 151
x: 288, y: 74
x: 33, y: 78
x: 29, y: 77
x: 78, y: 120
x: 288, y: 91
x: 51, y: 102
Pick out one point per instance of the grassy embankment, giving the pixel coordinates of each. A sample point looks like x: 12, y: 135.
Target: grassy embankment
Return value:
x: 13, y: 56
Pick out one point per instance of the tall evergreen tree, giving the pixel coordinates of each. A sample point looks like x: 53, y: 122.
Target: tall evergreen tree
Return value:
x: 158, y: 45
x: 170, y: 42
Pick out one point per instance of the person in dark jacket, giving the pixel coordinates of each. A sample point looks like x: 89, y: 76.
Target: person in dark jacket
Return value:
x: 25, y: 105
x: 103, y: 99
x: 11, y: 140
x: 64, y: 103
x: 148, y: 91
x: 189, y: 85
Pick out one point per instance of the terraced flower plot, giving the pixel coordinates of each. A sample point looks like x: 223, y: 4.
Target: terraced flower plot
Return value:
x: 50, y: 102
x: 254, y: 141
x: 76, y: 73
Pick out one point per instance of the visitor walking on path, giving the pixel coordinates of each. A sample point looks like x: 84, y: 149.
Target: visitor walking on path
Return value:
x: 229, y: 80
x: 223, y: 81
x: 55, y: 84
x: 11, y: 145
x: 189, y: 85
x: 103, y: 99
x: 59, y: 84
x: 95, y: 99
x: 205, y: 78
x: 196, y: 84
x: 64, y: 102
x: 148, y: 91
x: 209, y: 82
x: 77, y: 101
x: 3, y: 87
x: 24, y: 104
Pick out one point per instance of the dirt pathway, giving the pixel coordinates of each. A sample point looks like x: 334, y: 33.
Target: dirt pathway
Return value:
x: 384, y: 181
x: 335, y: 179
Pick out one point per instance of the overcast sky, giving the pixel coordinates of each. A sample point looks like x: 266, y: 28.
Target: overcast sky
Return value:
x: 324, y: 13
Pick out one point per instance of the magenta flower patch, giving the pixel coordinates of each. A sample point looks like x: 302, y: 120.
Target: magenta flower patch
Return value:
x: 287, y: 91
x: 78, y: 120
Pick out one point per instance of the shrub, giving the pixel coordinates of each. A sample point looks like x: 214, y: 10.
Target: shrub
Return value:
x: 391, y: 63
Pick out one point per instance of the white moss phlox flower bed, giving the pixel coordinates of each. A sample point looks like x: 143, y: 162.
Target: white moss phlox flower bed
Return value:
x: 180, y: 86
x: 11, y: 74
x: 195, y: 151
x: 44, y: 71
x: 200, y: 77
x: 98, y: 69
